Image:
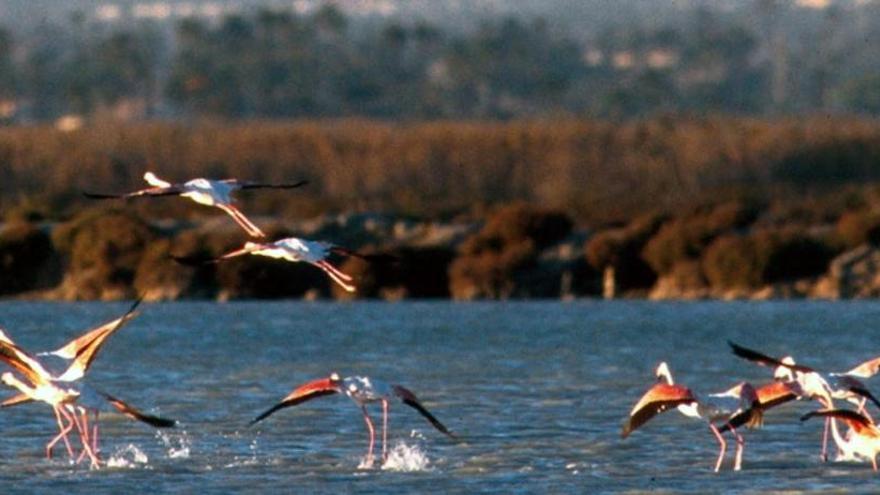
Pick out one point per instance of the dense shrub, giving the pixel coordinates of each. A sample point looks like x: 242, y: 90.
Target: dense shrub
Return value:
x: 27, y: 259
x: 858, y: 227
x: 509, y: 242
x: 621, y: 249
x: 765, y: 257
x: 103, y: 249
x: 684, y: 238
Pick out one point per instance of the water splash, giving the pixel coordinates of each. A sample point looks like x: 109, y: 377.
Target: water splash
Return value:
x: 176, y: 444
x: 406, y: 458
x: 129, y: 456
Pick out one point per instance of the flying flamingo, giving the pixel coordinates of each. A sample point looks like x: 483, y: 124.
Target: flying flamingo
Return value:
x: 736, y: 407
x: 864, y: 438
x: 65, y: 395
x: 203, y: 191
x: 362, y: 390
x: 812, y: 384
x: 294, y: 249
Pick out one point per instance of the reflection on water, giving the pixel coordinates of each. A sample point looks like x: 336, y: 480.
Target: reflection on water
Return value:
x: 536, y: 391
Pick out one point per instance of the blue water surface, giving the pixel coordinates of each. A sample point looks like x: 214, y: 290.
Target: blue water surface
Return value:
x: 537, y: 391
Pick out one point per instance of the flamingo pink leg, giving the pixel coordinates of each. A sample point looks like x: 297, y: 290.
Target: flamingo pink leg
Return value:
x: 384, y: 429
x: 324, y: 266
x: 87, y: 447
x: 372, y: 436
x: 723, y: 446
x: 64, y: 430
x: 740, y: 445
x: 95, y: 435
x: 824, y: 455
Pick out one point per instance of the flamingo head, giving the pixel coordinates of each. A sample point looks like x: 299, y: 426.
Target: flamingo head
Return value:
x: 784, y: 373
x: 7, y: 378
x: 663, y: 374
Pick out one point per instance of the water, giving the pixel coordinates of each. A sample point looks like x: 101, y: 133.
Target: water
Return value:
x: 538, y: 391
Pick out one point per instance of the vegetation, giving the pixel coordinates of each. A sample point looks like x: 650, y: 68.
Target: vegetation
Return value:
x: 279, y: 64
x: 547, y: 207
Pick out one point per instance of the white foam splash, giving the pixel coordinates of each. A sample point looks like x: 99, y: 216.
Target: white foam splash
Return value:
x: 129, y: 456
x: 177, y: 445
x: 406, y: 458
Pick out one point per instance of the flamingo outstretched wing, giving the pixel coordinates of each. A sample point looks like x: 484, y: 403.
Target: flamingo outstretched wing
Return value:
x: 410, y: 399
x: 133, y: 413
x: 84, y: 349
x: 303, y: 393
x: 244, y: 184
x: 763, y: 359
x: 659, y: 398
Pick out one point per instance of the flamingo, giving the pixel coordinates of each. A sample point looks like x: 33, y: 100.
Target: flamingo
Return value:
x: 203, y: 191
x: 79, y: 353
x: 823, y: 388
x: 294, y: 249
x: 733, y: 408
x: 62, y: 392
x: 362, y: 390
x: 864, y: 437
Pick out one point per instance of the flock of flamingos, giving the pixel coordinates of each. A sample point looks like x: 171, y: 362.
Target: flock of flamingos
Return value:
x: 55, y: 377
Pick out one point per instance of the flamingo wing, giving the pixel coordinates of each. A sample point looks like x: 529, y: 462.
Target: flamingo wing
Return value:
x: 410, y: 399
x: 858, y: 422
x: 133, y: 413
x: 303, y: 393
x: 15, y: 400
x: 763, y: 359
x: 659, y: 398
x: 241, y: 184
x: 173, y: 190
x: 775, y: 393
x: 866, y: 369
x: 21, y: 361
x: 83, y: 350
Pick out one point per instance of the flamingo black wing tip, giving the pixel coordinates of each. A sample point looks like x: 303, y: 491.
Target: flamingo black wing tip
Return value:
x: 92, y: 195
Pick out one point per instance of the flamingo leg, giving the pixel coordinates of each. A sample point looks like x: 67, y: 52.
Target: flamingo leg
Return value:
x: 384, y: 429
x: 95, y: 434
x: 242, y: 220
x: 372, y: 432
x: 64, y: 430
x: 723, y: 446
x: 87, y: 447
x: 740, y: 445
x: 329, y: 267
x: 83, y: 427
x: 323, y: 265
x: 824, y: 455
x: 874, y: 461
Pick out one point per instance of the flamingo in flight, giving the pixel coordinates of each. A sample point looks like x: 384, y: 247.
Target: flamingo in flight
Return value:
x: 294, y: 249
x: 362, y: 390
x: 821, y: 387
x: 738, y: 406
x: 864, y: 436
x: 203, y: 191
x: 67, y: 397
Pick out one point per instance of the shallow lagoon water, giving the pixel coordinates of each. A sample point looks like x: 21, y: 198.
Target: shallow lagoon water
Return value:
x: 538, y: 392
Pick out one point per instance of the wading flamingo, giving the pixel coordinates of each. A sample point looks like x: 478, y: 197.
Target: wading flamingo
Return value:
x: 736, y: 407
x: 812, y: 384
x: 864, y: 436
x: 362, y: 390
x: 66, y: 395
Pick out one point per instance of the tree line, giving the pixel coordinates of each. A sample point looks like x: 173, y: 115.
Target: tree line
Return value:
x: 277, y: 64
